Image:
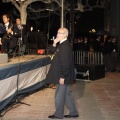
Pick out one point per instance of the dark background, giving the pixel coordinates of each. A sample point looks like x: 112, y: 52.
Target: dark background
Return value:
x: 84, y: 21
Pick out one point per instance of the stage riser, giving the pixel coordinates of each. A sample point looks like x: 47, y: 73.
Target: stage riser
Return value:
x: 3, y: 58
x: 95, y: 71
x: 24, y: 75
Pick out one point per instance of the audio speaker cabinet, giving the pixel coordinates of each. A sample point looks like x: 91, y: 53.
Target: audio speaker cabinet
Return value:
x: 95, y: 71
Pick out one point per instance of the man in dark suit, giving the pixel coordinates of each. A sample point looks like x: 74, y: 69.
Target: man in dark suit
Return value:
x: 22, y: 35
x: 9, y: 40
x: 22, y: 30
x: 97, y: 44
x: 62, y: 73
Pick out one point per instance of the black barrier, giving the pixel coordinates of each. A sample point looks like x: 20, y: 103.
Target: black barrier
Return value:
x: 89, y: 61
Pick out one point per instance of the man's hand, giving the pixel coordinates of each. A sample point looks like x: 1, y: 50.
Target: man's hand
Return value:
x: 56, y: 40
x: 9, y: 30
x: 61, y: 81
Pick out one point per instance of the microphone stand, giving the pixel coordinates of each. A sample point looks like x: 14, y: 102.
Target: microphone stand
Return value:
x: 16, y: 99
x: 18, y: 72
x: 20, y: 49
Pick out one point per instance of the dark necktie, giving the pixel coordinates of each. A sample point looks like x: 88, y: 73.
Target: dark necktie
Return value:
x: 6, y: 27
x: 19, y: 27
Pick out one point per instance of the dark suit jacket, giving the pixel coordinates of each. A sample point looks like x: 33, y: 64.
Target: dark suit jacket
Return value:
x: 114, y: 46
x: 97, y: 46
x: 62, y: 65
x: 21, y: 33
x: 13, y: 37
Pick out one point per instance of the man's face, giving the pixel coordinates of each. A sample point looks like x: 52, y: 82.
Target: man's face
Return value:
x: 99, y: 37
x: 18, y: 21
x: 114, y: 40
x: 5, y: 19
x: 61, y: 34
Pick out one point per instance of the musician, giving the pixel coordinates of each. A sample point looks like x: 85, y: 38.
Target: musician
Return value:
x: 9, y: 40
x: 22, y: 30
x: 22, y: 35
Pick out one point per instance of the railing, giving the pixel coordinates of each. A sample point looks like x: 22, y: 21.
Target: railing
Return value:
x: 86, y: 57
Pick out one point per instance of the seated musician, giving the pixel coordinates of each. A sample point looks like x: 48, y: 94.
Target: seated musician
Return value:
x: 9, y: 39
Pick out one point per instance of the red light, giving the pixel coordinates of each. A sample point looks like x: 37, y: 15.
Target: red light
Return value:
x: 41, y: 51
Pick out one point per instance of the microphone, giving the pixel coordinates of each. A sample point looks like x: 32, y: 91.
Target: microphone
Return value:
x: 53, y: 38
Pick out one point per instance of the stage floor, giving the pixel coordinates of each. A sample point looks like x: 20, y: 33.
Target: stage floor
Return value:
x: 23, y: 58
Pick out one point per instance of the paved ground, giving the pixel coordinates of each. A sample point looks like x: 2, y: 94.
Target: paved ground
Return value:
x: 98, y: 100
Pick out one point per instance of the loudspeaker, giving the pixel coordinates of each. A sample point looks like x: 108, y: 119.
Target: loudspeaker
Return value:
x: 3, y: 58
x: 95, y: 71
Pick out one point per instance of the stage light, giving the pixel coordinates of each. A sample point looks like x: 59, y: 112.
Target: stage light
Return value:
x: 49, y: 9
x: 31, y: 28
x: 93, y: 30
x: 90, y: 31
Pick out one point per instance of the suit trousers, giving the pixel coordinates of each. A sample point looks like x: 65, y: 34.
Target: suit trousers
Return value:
x: 63, y: 96
x: 114, y: 60
x: 5, y: 44
x: 107, y: 62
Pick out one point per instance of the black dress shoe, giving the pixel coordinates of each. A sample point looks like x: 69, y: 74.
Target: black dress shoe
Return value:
x: 71, y: 116
x: 53, y: 117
